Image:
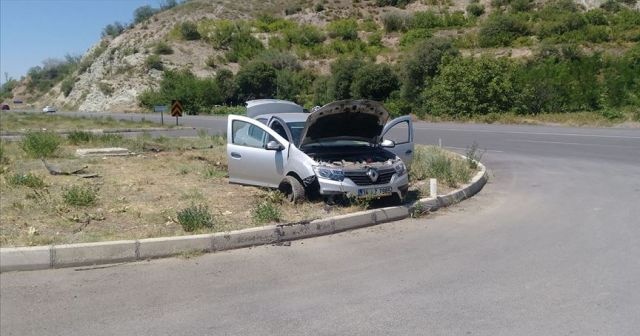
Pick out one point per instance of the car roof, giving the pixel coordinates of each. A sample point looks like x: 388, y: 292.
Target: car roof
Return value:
x: 287, y: 117
x: 271, y: 106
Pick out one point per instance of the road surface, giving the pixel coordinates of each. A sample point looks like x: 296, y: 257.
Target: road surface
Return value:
x: 550, y: 246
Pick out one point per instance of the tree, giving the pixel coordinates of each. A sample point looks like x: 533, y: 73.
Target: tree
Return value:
x: 256, y: 80
x: 374, y: 81
x: 342, y: 72
x: 422, y: 64
x: 143, y: 13
x: 113, y: 29
x: 227, y: 86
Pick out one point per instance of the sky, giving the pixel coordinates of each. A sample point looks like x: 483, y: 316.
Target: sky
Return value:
x: 34, y: 30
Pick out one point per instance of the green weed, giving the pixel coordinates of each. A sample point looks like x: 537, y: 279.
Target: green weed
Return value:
x: 27, y: 180
x: 41, y: 144
x: 195, y: 217
x: 80, y: 196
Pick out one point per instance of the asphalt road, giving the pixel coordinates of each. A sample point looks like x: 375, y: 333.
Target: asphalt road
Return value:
x: 550, y: 246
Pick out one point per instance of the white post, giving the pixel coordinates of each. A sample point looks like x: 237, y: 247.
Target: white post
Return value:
x: 433, y: 188
x: 440, y: 142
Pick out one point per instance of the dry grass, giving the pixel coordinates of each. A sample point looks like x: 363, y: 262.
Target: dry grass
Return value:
x: 576, y: 119
x: 139, y: 196
x: 37, y: 121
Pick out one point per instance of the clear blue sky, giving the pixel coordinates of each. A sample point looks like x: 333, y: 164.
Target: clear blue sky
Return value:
x: 34, y: 30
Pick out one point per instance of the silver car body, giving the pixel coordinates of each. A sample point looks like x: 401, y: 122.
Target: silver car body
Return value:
x: 338, y: 151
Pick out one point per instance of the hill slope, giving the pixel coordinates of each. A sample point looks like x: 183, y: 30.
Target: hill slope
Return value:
x: 116, y: 71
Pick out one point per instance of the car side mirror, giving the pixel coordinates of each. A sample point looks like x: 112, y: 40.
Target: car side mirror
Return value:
x: 274, y: 145
x: 387, y: 143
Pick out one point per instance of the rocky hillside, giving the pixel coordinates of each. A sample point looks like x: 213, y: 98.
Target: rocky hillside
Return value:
x: 118, y: 69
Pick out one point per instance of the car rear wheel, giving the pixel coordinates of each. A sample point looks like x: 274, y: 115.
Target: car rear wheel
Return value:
x: 292, y: 189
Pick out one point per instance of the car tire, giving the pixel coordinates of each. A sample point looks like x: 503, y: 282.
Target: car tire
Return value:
x: 293, y: 190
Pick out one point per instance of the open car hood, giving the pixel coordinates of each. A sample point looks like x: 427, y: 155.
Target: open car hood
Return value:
x: 361, y: 120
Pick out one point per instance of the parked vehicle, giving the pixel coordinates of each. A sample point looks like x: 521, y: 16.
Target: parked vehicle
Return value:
x: 49, y: 109
x: 5, y: 107
x: 336, y: 150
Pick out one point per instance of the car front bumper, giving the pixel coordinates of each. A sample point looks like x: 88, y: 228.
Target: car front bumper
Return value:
x: 398, y: 185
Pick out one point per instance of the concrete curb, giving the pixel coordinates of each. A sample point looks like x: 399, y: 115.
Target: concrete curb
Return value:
x: 57, y: 256
x: 103, y: 131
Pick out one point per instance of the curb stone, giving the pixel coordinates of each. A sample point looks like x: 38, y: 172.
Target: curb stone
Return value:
x: 70, y: 255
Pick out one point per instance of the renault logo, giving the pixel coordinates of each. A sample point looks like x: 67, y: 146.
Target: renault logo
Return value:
x: 373, y: 174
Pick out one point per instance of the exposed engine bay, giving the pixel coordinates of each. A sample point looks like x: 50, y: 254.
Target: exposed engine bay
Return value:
x: 352, y: 157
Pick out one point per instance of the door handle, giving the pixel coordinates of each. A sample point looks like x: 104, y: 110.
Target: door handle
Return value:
x: 235, y: 155
x: 408, y: 152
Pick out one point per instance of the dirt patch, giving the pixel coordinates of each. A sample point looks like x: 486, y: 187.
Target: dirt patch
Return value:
x: 140, y: 196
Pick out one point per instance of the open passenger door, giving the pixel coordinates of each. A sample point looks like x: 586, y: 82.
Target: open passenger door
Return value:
x: 400, y: 131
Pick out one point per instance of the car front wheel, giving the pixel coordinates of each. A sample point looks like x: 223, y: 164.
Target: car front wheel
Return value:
x: 292, y: 189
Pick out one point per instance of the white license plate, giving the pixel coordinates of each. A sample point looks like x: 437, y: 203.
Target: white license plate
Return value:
x: 384, y: 191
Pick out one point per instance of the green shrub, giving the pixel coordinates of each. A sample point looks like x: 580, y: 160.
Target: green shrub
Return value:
x: 395, y: 21
x: 80, y: 196
x: 318, y: 7
x: 475, y: 9
x: 423, y: 63
x: 153, y: 62
x: 426, y: 20
x: 305, y: 35
x: 611, y: 114
x: 78, y: 137
x: 189, y: 31
x: 27, y: 180
x: 375, y: 40
x: 195, y: 217
x: 256, y: 80
x: 243, y: 47
x: 342, y: 74
x: 374, y: 81
x: 113, y: 29
x: 162, y: 48
x: 414, y: 36
x: 66, y: 86
x: 500, y: 29
x: 266, y: 212
x: 468, y: 87
x: 41, y: 144
x: 143, y: 13
x: 346, y: 29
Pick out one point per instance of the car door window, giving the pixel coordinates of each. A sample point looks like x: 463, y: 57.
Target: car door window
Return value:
x: 278, y: 128
x: 246, y: 134
x: 398, y: 133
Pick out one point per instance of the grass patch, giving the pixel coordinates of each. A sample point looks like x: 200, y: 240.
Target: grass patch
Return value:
x: 80, y: 137
x: 266, y: 211
x: 26, y: 180
x: 80, y: 196
x: 41, y: 144
x: 433, y: 162
x: 32, y: 121
x: 195, y: 217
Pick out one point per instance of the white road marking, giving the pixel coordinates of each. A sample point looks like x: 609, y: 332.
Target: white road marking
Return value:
x: 531, y: 133
x: 569, y: 143
x: 480, y: 149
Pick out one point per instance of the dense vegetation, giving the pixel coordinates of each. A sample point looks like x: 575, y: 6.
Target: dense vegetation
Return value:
x: 564, y: 74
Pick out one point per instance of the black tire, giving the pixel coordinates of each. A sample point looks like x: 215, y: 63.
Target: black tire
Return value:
x: 292, y: 189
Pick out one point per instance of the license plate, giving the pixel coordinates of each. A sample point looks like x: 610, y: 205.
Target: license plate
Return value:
x: 384, y: 191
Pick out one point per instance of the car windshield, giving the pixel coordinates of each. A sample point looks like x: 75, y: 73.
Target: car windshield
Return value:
x: 339, y: 142
x: 296, y: 131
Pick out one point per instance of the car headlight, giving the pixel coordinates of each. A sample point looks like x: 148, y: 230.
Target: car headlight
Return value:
x: 401, y: 169
x: 329, y: 173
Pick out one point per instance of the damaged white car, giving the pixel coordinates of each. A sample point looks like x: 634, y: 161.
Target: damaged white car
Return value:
x: 343, y: 148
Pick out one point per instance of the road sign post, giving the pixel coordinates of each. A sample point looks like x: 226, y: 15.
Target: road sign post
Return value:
x: 161, y: 109
x: 176, y: 109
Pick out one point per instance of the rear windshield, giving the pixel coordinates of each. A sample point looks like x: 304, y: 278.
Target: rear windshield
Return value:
x: 296, y: 131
